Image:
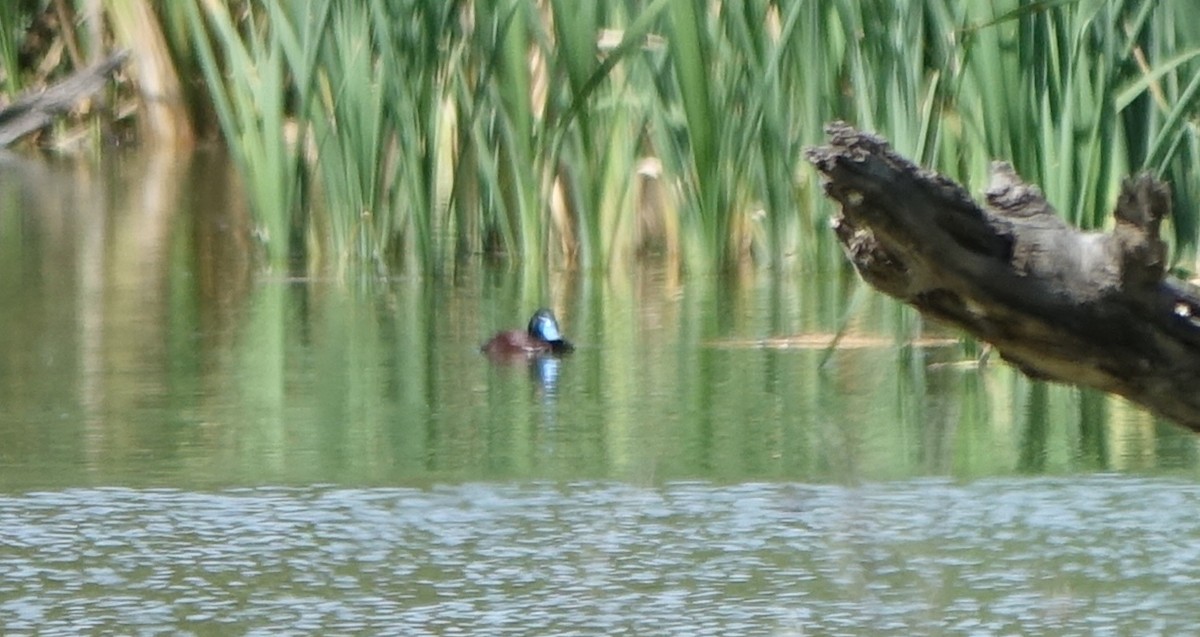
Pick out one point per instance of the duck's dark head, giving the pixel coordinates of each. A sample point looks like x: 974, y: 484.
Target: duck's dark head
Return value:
x: 544, y: 327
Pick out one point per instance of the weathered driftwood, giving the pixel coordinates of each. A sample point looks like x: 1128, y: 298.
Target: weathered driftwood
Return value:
x: 1089, y: 308
x: 36, y: 110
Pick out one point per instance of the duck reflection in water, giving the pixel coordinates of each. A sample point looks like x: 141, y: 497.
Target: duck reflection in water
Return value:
x: 540, y: 346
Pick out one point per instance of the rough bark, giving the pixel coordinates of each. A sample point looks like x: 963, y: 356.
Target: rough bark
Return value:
x: 1089, y: 308
x: 34, y: 111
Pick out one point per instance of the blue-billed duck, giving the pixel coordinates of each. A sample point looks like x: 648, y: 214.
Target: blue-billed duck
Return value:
x: 541, y: 337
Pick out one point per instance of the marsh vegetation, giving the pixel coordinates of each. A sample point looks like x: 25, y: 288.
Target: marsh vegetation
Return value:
x: 379, y: 134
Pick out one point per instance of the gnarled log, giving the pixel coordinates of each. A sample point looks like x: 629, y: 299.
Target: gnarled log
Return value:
x: 1090, y: 308
x: 37, y: 109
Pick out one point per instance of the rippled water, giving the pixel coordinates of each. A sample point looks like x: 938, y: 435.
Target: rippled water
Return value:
x: 191, y: 445
x: 1102, y: 555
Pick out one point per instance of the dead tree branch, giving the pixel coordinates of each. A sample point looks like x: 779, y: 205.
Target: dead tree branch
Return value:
x: 1089, y: 308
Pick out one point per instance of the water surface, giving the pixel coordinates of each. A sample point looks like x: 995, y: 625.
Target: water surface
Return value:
x: 1038, y: 556
x: 193, y: 444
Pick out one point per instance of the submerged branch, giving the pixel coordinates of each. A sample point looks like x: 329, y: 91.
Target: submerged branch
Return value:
x: 1088, y: 308
x: 36, y: 110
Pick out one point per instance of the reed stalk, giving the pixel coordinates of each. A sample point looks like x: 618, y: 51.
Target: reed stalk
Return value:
x: 258, y: 68
x: 415, y: 132
x: 165, y: 120
x: 14, y: 20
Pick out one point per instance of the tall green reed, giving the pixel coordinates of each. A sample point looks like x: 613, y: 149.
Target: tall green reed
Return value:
x: 258, y: 68
x: 442, y: 129
x: 14, y: 20
x: 598, y: 118
x: 1077, y: 94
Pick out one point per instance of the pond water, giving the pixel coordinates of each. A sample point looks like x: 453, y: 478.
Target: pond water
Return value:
x: 190, y: 445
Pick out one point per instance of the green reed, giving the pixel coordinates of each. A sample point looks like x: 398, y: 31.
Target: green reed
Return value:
x: 259, y: 70
x: 1078, y: 94
x: 13, y: 22
x: 555, y: 133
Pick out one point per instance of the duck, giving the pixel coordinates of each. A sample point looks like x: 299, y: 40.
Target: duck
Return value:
x: 541, y: 337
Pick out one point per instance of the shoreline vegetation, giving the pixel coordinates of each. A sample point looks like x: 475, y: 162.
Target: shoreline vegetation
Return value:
x: 375, y: 135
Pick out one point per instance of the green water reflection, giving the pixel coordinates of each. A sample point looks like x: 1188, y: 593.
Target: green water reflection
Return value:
x: 140, y: 346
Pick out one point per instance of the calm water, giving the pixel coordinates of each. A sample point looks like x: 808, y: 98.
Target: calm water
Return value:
x: 190, y: 445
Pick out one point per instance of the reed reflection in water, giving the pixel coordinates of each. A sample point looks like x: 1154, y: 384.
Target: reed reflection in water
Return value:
x: 141, y: 346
